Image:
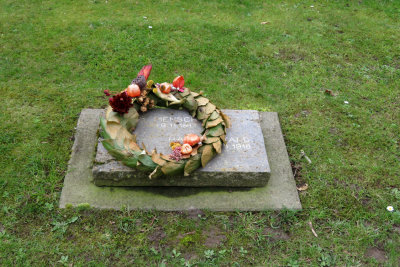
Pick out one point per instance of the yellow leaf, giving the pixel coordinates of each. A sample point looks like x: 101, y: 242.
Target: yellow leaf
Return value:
x: 217, y: 146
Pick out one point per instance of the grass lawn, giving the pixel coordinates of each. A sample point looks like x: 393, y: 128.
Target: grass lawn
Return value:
x: 58, y: 56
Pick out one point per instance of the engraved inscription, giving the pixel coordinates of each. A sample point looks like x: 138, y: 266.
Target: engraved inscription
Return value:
x: 173, y: 122
x: 232, y: 143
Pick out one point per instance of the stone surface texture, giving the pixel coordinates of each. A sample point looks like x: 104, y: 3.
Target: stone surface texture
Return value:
x: 242, y: 163
x: 279, y: 193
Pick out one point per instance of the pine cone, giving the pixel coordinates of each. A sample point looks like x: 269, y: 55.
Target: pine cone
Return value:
x: 141, y: 81
x: 143, y: 109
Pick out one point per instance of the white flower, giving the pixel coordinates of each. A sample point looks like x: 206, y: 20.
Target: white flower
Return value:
x: 150, y: 27
x: 346, y: 102
x: 390, y: 208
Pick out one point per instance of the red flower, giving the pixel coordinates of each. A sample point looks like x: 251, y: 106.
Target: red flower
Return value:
x: 145, y: 71
x: 121, y: 102
x: 178, y: 82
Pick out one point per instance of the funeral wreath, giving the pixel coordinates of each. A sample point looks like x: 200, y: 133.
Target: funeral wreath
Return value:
x: 122, y: 116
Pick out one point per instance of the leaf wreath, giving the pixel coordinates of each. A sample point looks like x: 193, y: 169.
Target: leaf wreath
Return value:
x: 121, y: 143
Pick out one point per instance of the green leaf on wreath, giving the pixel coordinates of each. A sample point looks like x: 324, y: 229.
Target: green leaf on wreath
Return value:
x: 173, y: 168
x: 190, y: 103
x: 192, y: 164
x: 216, y: 131
x: 103, y: 131
x: 130, y: 162
x: 207, y: 154
x: 118, y: 154
x: 213, y: 116
x: 147, y: 161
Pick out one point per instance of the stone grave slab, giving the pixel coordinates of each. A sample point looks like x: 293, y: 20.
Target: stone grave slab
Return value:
x: 279, y: 193
x: 242, y: 163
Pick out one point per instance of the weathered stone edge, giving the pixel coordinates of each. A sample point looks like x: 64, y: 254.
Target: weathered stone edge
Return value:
x: 197, y: 179
x: 83, y: 153
x: 279, y: 162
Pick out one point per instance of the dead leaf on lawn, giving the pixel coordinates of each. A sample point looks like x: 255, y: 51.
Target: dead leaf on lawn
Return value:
x: 303, y: 187
x: 265, y: 22
x: 330, y: 92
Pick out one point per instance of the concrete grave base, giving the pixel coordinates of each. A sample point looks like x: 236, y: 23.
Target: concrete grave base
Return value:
x: 279, y: 193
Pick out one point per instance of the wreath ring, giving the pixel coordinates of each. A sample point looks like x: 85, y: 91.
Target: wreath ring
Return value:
x: 120, y: 141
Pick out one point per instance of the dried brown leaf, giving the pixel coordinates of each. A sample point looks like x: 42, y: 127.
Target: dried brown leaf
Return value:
x: 157, y: 159
x: 211, y: 140
x: 194, y: 94
x: 210, y: 108
x: 202, y: 101
x: 226, y: 119
x: 223, y: 138
x: 192, y: 164
x: 207, y: 154
x: 112, y: 128
x: 173, y: 168
x: 214, y: 115
x: 303, y: 187
x: 214, y: 122
x: 217, y: 146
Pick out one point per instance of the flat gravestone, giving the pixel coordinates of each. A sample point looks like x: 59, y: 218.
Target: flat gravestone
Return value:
x: 242, y: 163
x: 279, y: 193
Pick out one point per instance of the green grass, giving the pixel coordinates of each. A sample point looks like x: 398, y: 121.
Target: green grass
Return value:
x: 58, y: 56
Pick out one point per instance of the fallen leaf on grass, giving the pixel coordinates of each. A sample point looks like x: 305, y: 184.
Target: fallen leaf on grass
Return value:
x: 304, y: 187
x: 265, y: 22
x: 329, y: 92
x: 312, y: 229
